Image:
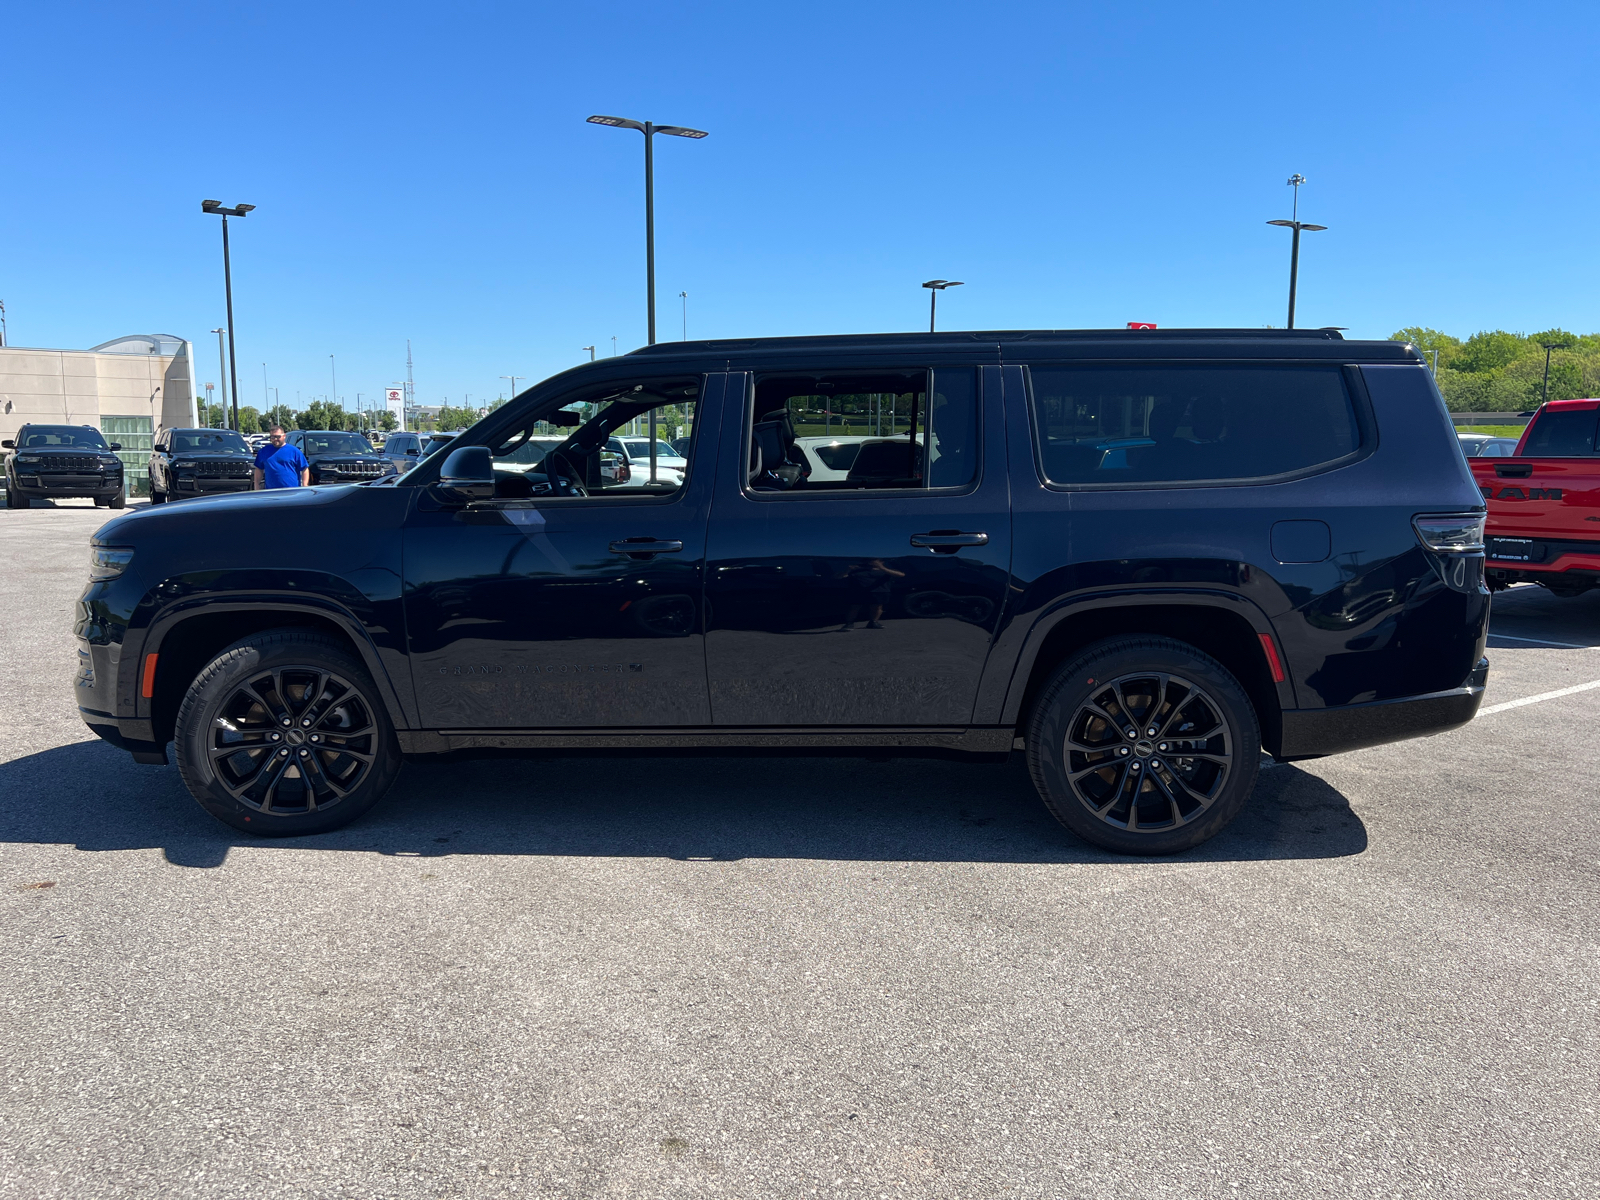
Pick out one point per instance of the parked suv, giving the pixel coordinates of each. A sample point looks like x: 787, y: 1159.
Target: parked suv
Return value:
x: 1138, y: 558
x: 51, y: 462
x: 403, y: 450
x: 198, y: 462
x: 339, y: 457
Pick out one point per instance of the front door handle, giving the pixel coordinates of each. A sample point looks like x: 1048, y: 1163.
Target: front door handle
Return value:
x: 645, y: 547
x: 948, y: 541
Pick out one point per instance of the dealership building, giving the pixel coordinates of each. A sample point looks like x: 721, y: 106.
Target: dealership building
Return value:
x: 127, y: 388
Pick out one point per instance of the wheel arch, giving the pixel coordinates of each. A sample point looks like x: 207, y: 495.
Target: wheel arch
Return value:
x: 1225, y: 626
x: 186, y: 638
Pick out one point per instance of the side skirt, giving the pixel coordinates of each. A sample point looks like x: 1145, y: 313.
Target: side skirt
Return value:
x: 958, y: 741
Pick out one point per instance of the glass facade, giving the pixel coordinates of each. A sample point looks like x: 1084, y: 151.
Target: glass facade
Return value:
x: 136, y: 436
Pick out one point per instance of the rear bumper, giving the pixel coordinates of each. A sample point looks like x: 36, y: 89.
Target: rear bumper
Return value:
x: 1315, y: 732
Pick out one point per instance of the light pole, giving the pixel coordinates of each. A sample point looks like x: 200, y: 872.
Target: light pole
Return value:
x: 207, y: 421
x: 613, y: 345
x: 590, y: 349
x: 333, y: 373
x: 935, y: 286
x: 1297, y: 225
x: 222, y: 368
x: 684, y: 296
x: 513, y: 379
x: 1549, y: 346
x: 649, y: 130
x: 238, y: 210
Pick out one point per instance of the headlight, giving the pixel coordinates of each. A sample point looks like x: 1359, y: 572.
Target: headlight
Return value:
x: 107, y: 562
x: 1450, y: 533
x: 184, y: 462
x: 27, y: 458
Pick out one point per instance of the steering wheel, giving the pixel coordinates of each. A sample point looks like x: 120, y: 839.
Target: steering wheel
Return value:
x: 563, y: 479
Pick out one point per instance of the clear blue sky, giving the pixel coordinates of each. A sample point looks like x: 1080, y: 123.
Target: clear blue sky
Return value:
x: 426, y: 172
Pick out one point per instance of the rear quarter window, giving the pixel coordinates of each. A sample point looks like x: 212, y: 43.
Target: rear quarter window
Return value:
x: 1181, y: 423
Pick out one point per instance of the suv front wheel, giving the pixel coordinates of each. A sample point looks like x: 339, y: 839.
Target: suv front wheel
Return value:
x: 1144, y: 745
x: 284, y: 733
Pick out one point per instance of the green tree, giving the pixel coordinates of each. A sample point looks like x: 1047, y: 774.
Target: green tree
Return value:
x: 321, y: 415
x: 281, y: 414
x: 1429, y: 340
x: 249, y: 420
x: 216, y: 416
x: 387, y: 421
x: 1490, y: 350
x: 456, y: 418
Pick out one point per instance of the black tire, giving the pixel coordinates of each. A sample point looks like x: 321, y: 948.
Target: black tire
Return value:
x: 120, y: 500
x: 1170, y: 801
x: 156, y: 496
x: 294, y: 691
x: 15, y: 499
x: 101, y: 501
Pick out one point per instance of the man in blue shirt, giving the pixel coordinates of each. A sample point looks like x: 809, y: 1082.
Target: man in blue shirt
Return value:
x: 279, y: 465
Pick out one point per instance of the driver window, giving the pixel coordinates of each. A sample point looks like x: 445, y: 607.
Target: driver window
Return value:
x: 602, y: 447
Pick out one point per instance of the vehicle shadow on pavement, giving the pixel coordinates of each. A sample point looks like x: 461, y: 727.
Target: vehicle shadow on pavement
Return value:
x: 93, y: 797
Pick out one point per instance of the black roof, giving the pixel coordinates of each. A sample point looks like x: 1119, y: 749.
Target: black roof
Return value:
x: 968, y: 337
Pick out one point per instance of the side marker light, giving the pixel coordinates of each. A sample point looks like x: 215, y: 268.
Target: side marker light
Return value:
x: 147, y: 687
x: 1274, y: 663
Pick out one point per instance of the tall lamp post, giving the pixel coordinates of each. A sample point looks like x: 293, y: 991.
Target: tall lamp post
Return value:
x: 935, y: 286
x: 238, y: 210
x: 1549, y: 346
x: 1297, y: 225
x: 649, y: 130
x: 590, y: 349
x: 222, y: 368
x: 513, y: 379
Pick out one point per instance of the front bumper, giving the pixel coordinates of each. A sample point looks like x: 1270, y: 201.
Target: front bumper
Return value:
x: 43, y: 487
x: 1315, y: 732
x: 201, y: 486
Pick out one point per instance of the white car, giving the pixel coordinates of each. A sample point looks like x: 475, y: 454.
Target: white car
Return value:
x: 635, y: 451
x: 614, y: 465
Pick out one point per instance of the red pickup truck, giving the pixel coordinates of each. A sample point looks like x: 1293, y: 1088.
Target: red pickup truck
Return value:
x: 1544, y: 502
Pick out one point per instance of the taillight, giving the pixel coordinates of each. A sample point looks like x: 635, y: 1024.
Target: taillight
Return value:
x: 1450, y: 533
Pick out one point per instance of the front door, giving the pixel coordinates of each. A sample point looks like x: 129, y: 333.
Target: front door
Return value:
x: 537, y: 611
x: 859, y: 550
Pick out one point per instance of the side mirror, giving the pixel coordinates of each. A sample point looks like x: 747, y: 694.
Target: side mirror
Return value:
x: 115, y: 446
x: 468, y: 474
x: 9, y: 444
x: 413, y: 450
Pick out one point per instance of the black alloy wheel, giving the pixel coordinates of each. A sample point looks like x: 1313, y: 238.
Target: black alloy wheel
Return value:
x: 284, y: 733
x: 1144, y: 746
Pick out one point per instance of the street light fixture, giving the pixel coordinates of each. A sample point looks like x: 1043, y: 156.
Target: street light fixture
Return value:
x: 513, y: 379
x: 590, y: 349
x: 935, y: 286
x: 1297, y: 225
x: 238, y: 210
x: 649, y: 130
x: 1549, y: 346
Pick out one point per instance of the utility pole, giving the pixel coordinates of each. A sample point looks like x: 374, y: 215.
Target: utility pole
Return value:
x: 513, y: 379
x: 2, y: 322
x: 684, y: 296
x: 590, y: 349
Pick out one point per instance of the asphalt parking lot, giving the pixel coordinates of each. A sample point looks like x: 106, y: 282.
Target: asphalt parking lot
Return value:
x: 810, y: 977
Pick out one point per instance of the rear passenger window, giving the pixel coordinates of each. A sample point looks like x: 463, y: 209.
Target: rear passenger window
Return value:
x: 864, y: 430
x: 1180, y: 423
x: 1563, y: 433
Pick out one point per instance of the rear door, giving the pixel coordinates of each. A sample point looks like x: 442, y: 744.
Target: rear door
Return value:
x: 869, y: 600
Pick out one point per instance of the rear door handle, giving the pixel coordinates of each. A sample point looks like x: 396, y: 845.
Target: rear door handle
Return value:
x: 948, y: 541
x: 644, y: 547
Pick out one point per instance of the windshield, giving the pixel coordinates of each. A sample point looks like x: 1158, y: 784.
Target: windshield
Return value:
x: 208, y: 441
x: 61, y: 437
x: 640, y: 448
x: 336, y: 443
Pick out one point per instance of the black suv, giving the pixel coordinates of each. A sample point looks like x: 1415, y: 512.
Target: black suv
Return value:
x: 1137, y: 557
x: 52, y: 462
x: 199, y: 462
x: 338, y: 457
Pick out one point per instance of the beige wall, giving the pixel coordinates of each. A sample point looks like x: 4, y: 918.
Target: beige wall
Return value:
x: 78, y: 387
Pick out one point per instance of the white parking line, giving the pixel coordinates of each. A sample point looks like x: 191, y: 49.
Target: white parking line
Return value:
x: 1541, y: 641
x: 1556, y: 695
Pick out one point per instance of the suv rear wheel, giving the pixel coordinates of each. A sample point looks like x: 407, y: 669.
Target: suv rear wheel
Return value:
x: 284, y: 733
x: 1144, y: 745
